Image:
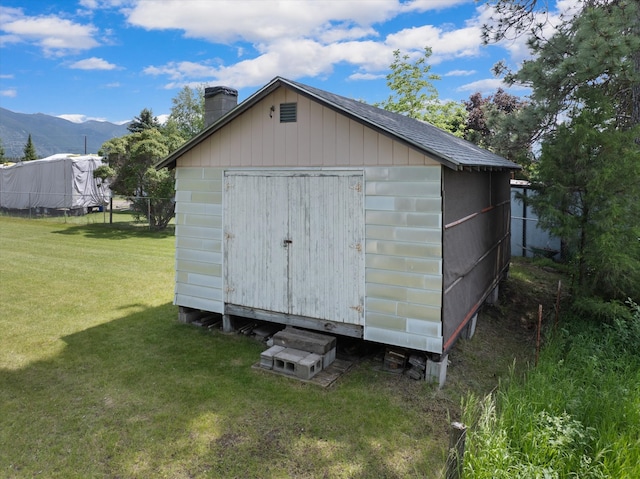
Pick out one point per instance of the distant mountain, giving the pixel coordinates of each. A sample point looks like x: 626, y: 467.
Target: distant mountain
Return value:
x: 51, y: 135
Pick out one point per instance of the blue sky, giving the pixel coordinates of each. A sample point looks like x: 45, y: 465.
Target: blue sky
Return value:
x: 109, y: 59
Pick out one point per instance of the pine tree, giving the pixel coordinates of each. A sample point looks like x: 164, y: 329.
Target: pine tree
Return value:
x: 584, y: 109
x: 145, y: 121
x: 29, y: 150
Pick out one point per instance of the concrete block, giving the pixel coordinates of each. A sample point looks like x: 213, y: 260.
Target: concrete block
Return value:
x: 493, y: 296
x: 308, y: 366
x: 295, y: 362
x: 285, y: 360
x: 470, y: 329
x: 304, y: 340
x: 328, y: 358
x: 227, y: 325
x: 266, y: 357
x: 437, y: 371
x: 188, y: 315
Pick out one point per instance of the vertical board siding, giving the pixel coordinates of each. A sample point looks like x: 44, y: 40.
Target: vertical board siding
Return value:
x: 199, y: 239
x: 293, y: 243
x: 403, y: 274
x: 319, y: 137
x: 327, y: 274
x: 256, y: 225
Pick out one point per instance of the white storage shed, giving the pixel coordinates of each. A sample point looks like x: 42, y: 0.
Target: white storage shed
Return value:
x: 303, y: 207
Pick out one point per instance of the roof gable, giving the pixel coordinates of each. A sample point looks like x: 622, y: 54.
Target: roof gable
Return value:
x: 450, y: 150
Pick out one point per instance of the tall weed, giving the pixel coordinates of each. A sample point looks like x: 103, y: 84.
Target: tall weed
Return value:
x: 576, y: 415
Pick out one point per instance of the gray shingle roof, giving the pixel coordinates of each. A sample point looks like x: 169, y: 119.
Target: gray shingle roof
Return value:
x: 452, y: 151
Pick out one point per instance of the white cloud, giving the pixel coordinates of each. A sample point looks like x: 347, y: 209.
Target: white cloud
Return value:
x: 483, y: 86
x: 6, y: 76
x: 179, y: 71
x: 445, y: 44
x: 55, y: 35
x: 489, y: 85
x: 225, y: 21
x: 366, y: 76
x: 292, y: 58
x: 424, y: 5
x: 460, y: 73
x: 307, y: 38
x: 95, y: 4
x: 79, y: 118
x: 297, y: 57
x: 93, y: 63
x: 91, y: 4
x: 9, y: 92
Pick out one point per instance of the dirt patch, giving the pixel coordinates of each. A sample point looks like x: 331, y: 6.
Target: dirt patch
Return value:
x: 506, y: 333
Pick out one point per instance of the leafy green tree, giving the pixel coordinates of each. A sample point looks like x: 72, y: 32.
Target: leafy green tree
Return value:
x: 130, y: 171
x: 584, y: 103
x: 144, y: 121
x: 450, y: 116
x: 29, y: 150
x: 187, y: 112
x: 494, y: 122
x: 2, y: 158
x: 413, y: 94
x: 411, y: 85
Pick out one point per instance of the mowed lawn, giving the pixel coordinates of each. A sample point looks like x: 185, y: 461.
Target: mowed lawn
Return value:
x: 99, y: 379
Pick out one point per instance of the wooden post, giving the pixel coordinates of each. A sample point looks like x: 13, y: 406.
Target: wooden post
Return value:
x: 555, y: 324
x: 539, y: 331
x: 455, y: 458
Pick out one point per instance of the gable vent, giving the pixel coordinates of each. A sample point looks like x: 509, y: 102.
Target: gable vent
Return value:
x: 288, y: 112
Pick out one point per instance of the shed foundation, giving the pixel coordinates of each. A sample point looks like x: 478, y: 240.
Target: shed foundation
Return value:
x: 437, y: 370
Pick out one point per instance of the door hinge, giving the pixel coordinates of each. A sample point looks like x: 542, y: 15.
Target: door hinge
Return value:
x: 358, y: 308
x: 357, y: 247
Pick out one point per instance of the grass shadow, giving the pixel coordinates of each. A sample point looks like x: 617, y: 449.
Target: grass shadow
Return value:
x: 115, y: 231
x: 146, y: 396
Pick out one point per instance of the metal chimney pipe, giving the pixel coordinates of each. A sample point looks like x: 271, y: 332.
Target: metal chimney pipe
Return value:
x: 218, y: 100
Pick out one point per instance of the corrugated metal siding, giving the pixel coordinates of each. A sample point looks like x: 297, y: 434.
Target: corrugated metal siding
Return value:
x: 199, y: 239
x: 320, y: 273
x: 403, y: 281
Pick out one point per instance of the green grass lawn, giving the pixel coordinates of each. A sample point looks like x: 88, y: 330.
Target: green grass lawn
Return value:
x: 98, y: 379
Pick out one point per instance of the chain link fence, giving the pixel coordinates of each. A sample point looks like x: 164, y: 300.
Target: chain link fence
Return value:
x: 82, y: 209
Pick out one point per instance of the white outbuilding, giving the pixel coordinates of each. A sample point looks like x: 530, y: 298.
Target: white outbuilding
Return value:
x: 306, y: 208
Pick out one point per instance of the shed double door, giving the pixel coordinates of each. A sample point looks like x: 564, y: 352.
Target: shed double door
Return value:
x: 294, y: 243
